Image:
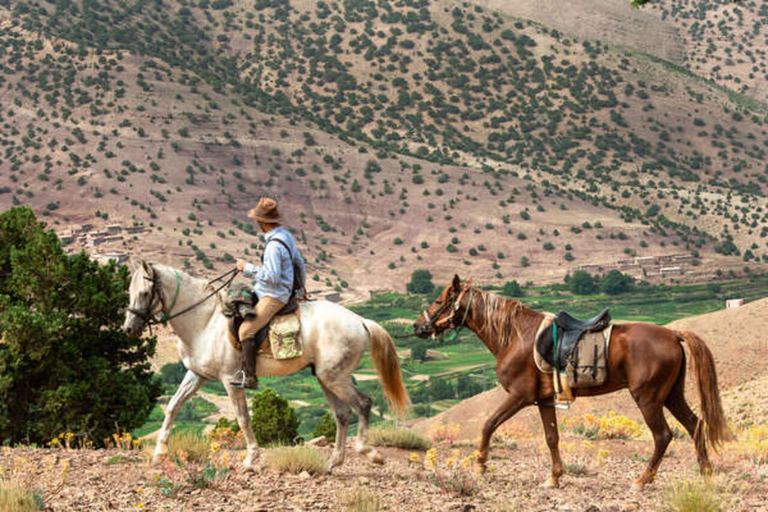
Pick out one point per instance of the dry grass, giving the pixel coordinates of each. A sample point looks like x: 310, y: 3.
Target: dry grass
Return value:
x: 189, y: 446
x: 360, y: 499
x: 698, y: 495
x: 403, y: 438
x: 16, y: 498
x: 295, y: 459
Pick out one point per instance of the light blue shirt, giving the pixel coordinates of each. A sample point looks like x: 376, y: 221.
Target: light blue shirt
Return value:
x: 275, y: 277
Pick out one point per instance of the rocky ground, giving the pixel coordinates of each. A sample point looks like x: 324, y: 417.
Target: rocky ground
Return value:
x: 599, y: 479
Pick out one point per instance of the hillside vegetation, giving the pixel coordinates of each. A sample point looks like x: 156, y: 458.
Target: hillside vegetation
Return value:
x: 393, y: 133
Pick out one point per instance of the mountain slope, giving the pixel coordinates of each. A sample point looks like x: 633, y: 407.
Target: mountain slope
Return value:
x: 397, y: 135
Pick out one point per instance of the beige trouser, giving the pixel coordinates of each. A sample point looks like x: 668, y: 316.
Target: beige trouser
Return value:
x: 265, y: 309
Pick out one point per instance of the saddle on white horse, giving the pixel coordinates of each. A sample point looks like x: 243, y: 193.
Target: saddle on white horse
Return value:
x: 283, y: 331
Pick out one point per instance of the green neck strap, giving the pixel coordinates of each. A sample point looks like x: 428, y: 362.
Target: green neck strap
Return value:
x: 455, y: 333
x: 165, y: 316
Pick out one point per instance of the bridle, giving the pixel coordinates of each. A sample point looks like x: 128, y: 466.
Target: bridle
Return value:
x: 156, y: 294
x: 438, y: 325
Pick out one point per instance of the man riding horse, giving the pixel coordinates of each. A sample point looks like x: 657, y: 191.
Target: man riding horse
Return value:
x: 279, y: 282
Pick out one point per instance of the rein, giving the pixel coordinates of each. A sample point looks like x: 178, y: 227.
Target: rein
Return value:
x: 166, y: 317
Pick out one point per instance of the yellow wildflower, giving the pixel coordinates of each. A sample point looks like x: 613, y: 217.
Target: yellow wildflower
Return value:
x: 431, y: 458
x: 414, y: 457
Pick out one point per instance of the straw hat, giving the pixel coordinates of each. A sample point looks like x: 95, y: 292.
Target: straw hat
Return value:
x: 266, y: 211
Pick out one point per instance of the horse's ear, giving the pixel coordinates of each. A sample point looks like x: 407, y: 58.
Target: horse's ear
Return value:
x: 147, y: 268
x: 456, y: 282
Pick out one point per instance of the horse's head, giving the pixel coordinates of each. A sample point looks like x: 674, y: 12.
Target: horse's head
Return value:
x: 444, y: 312
x: 145, y: 300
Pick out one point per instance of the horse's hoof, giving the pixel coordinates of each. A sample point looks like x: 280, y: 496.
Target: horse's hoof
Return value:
x: 638, y: 486
x: 550, y: 483
x: 156, y: 460
x: 375, y: 457
x: 479, y: 468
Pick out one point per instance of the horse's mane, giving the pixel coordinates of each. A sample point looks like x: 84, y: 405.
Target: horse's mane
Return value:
x: 504, y: 318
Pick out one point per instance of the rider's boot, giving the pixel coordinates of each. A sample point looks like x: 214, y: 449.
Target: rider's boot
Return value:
x: 246, y: 377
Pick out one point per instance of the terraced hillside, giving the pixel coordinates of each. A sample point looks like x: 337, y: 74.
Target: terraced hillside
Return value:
x: 399, y: 135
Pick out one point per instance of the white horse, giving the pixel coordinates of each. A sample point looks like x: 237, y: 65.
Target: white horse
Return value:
x: 334, y: 341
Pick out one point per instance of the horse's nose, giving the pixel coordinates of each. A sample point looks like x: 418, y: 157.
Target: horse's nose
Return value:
x: 128, y: 330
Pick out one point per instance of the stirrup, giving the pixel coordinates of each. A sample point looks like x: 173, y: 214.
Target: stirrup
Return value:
x: 238, y: 380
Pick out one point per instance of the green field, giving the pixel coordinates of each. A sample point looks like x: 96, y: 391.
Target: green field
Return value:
x: 467, y: 361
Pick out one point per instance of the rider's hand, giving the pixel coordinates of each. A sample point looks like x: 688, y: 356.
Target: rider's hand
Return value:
x: 241, y: 265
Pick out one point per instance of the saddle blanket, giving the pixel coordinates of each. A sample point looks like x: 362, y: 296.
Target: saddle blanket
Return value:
x: 284, y: 336
x: 587, y: 365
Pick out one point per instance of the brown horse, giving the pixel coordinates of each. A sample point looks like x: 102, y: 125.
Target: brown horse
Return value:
x: 646, y: 358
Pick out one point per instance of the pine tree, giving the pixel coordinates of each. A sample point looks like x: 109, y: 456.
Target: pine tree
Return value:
x: 65, y: 364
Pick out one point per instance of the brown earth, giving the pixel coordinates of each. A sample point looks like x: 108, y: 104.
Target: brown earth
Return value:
x: 83, y: 480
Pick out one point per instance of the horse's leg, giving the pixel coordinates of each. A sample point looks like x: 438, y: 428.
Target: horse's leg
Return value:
x: 361, y: 403
x: 653, y: 413
x: 188, y: 387
x: 549, y: 419
x: 513, y: 403
x: 679, y: 408
x: 239, y: 400
x: 341, y: 414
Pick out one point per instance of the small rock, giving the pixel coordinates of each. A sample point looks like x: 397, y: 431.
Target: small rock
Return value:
x: 304, y: 476
x: 318, y: 441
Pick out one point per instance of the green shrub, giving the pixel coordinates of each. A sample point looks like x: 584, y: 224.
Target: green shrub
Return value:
x: 512, y: 289
x: 582, y: 283
x: 421, y: 282
x: 273, y: 420
x: 326, y: 427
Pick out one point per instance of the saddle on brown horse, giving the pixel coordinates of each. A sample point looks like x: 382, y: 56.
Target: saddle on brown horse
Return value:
x: 576, y: 348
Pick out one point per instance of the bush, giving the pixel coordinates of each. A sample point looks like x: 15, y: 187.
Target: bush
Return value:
x: 404, y: 438
x: 326, y: 427
x: 173, y: 373
x: 614, y: 283
x: 421, y: 282
x: 295, y: 459
x: 65, y: 363
x: 512, y: 289
x: 273, y: 420
x: 582, y: 283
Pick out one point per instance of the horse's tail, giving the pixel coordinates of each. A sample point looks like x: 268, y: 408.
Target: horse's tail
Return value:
x: 387, y: 364
x: 709, y: 395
